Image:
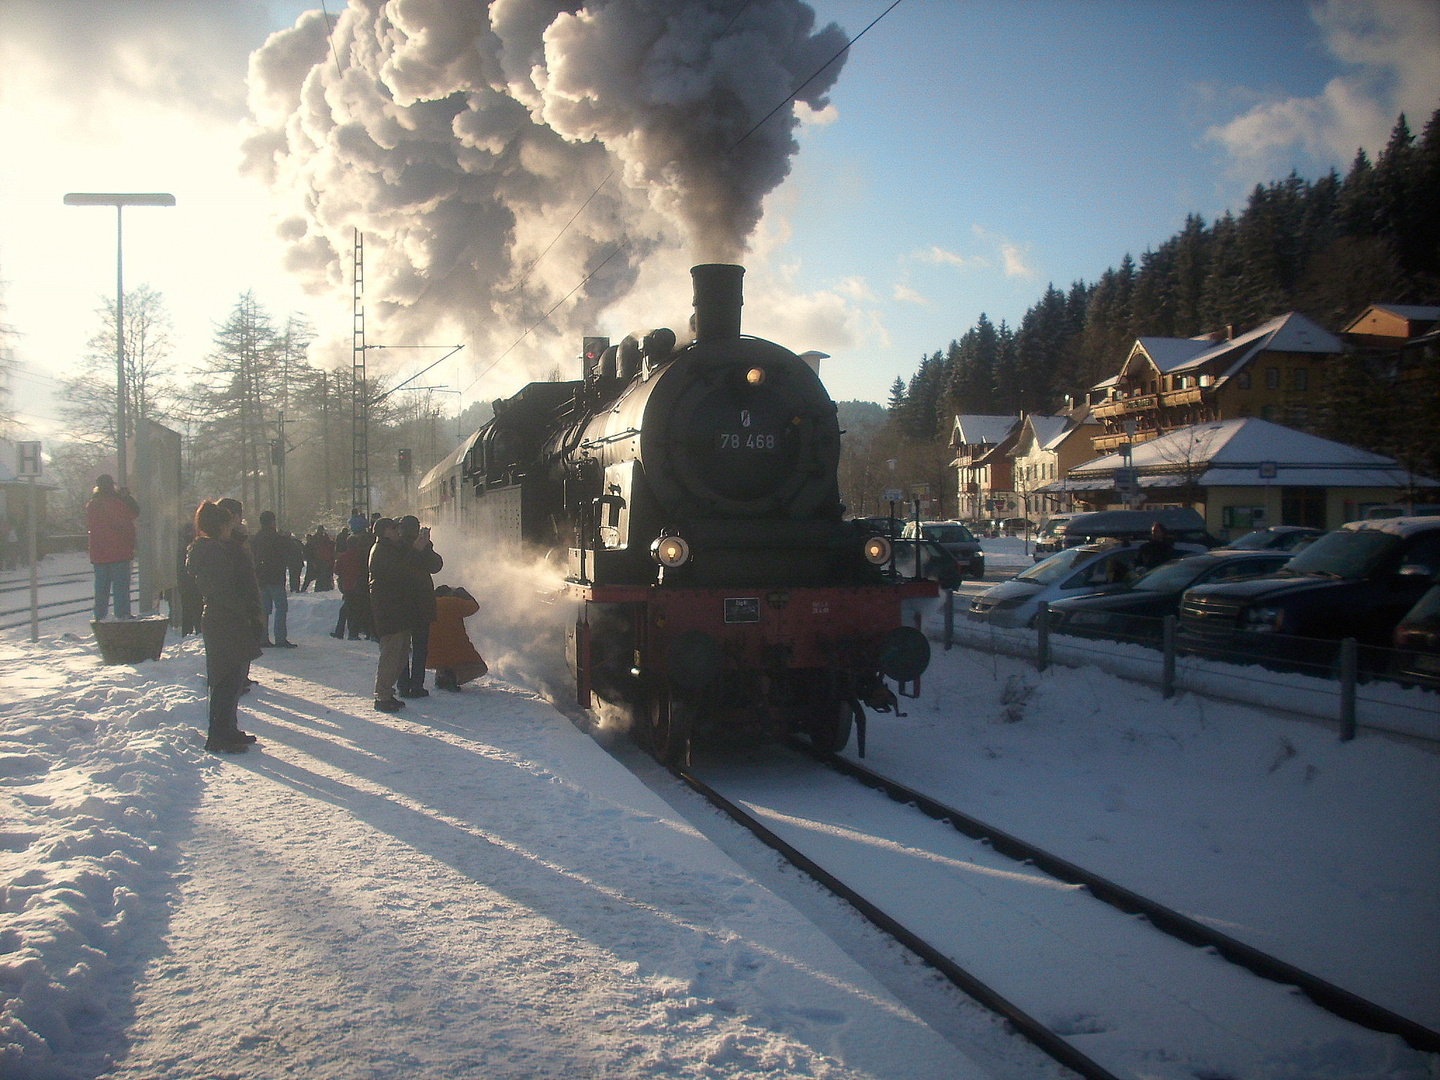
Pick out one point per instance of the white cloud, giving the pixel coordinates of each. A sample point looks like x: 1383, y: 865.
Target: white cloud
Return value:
x: 1013, y: 257
x: 1390, y: 48
x: 940, y: 257
x: 857, y: 288
x: 904, y: 294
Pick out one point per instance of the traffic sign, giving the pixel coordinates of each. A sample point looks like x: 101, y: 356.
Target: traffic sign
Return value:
x: 28, y: 454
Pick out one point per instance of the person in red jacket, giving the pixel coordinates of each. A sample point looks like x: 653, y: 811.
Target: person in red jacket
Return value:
x: 354, y: 587
x: 110, y: 519
x: 451, y: 654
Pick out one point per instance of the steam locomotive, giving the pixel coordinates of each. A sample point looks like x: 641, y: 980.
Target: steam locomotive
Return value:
x: 692, y: 492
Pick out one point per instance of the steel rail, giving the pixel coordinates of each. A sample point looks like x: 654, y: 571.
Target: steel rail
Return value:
x: 1025, y: 1024
x: 1327, y: 995
x: 84, y: 605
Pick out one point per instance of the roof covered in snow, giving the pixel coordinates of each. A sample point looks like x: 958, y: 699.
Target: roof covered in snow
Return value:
x: 977, y: 429
x: 1292, y: 333
x: 1247, y: 441
x: 1169, y: 353
x: 1245, y: 452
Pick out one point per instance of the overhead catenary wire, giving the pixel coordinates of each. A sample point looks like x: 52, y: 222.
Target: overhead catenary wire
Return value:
x: 530, y: 329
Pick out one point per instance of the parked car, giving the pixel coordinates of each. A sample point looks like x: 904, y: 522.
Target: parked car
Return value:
x: 1076, y: 571
x: 955, y: 538
x: 1135, y: 612
x: 882, y: 525
x: 1417, y: 642
x: 1358, y: 581
x: 1275, y: 538
x: 1051, y: 536
x: 935, y: 563
x: 1184, y: 525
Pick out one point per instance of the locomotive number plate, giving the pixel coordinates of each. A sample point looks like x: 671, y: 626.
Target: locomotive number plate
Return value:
x: 742, y: 609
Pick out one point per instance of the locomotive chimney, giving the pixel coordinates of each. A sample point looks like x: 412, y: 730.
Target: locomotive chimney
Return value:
x: 717, y: 300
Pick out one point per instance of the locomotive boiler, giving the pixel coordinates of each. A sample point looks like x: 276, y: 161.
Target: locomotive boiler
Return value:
x: 691, y: 493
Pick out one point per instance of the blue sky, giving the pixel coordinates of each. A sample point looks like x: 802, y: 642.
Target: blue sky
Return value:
x: 973, y: 152
x: 1070, y: 133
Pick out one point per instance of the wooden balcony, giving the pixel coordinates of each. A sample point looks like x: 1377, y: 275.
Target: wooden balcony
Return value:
x: 1105, y: 444
x: 1189, y: 396
x: 1108, y: 410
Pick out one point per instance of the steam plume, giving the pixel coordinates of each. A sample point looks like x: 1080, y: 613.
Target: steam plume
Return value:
x: 461, y: 140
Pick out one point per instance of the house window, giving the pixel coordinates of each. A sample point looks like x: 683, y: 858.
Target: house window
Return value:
x: 1243, y: 380
x: 1300, y: 379
x: 1272, y: 378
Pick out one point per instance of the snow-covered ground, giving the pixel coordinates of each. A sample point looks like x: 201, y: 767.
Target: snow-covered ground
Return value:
x: 474, y: 887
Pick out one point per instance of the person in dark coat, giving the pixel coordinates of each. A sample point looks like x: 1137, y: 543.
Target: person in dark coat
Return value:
x: 230, y: 622
x: 1157, y: 550
x: 272, y: 555
x: 424, y: 561
x: 390, y: 606
x: 319, y: 561
x: 190, y: 600
x: 110, y: 520
x: 294, y: 559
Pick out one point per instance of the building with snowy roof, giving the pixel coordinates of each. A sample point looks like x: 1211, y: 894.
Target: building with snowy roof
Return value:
x: 1046, y: 448
x: 984, y: 470
x: 1247, y: 473
x: 1273, y: 372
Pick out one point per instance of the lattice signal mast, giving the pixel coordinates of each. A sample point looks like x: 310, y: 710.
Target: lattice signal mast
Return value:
x: 359, y: 400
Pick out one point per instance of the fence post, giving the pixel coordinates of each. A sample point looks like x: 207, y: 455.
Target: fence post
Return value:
x: 1167, y: 671
x: 949, y: 618
x: 1348, y: 667
x: 1042, y: 643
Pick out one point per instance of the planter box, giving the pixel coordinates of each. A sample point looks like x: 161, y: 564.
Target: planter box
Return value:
x: 130, y: 641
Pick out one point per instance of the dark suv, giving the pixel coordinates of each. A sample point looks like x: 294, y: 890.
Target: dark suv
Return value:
x: 1357, y: 581
x: 954, y: 538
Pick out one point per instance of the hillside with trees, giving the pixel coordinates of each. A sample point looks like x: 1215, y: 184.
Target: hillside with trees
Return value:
x: 1326, y: 248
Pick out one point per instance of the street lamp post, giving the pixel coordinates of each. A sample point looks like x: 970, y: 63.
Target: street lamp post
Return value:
x: 119, y: 201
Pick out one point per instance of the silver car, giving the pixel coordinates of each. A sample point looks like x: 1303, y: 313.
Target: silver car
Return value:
x: 1076, y: 571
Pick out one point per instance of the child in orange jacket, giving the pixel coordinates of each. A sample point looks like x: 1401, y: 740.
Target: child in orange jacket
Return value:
x: 451, y: 655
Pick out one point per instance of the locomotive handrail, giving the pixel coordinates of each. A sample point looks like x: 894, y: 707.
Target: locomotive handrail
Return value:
x: 628, y: 433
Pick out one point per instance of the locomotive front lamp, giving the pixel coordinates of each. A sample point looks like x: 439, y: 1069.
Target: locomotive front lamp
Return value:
x: 877, y: 550
x: 670, y: 551
x: 755, y: 376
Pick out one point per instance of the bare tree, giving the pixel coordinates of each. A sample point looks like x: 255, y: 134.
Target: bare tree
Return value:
x: 87, y: 398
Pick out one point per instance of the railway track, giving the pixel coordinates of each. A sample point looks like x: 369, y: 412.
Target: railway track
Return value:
x: 15, y: 598
x: 810, y: 846
x: 1327, y: 995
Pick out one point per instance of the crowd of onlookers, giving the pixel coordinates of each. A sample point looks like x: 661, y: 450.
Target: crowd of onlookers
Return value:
x: 234, y: 588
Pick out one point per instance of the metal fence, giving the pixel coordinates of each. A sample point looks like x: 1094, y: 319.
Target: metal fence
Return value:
x: 1350, y: 684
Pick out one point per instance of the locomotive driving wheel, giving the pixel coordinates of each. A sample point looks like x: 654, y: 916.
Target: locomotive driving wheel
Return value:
x: 831, y: 724
x: 672, y: 724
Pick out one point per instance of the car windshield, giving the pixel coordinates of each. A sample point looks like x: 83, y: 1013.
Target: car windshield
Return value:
x: 1427, y: 611
x: 1174, y: 576
x: 1054, y: 527
x: 949, y: 534
x: 1345, y: 553
x: 1051, y: 570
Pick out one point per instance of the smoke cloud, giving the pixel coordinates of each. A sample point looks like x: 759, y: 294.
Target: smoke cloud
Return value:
x: 462, y: 140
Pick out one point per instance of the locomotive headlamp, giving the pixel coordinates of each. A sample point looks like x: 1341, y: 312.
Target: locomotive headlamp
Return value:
x: 877, y: 550
x: 755, y: 376
x: 670, y: 551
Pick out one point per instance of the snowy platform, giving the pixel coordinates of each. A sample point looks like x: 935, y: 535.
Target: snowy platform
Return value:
x: 471, y: 887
